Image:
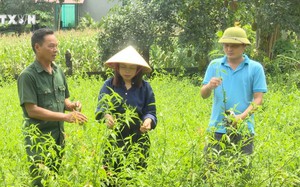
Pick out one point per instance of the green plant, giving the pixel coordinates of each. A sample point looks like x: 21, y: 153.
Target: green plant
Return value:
x: 87, y: 22
x: 44, y: 18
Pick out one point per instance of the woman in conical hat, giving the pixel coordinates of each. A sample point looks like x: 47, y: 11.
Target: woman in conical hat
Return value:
x: 128, y: 59
x: 129, y: 67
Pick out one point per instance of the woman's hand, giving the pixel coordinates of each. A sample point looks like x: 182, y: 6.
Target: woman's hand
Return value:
x: 110, y: 122
x: 146, y: 126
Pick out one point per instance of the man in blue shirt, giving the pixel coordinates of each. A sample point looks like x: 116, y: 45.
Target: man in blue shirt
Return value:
x: 238, y: 84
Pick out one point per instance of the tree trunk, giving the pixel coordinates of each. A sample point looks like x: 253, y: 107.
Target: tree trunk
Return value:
x: 265, y: 41
x: 59, y: 17
x: 59, y: 14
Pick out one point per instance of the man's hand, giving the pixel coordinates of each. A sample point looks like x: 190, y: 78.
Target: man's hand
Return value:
x: 214, y: 83
x: 71, y: 106
x: 75, y: 117
x: 206, y: 89
x: 77, y: 106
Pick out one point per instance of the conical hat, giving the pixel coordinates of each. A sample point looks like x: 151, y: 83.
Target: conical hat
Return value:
x: 128, y: 56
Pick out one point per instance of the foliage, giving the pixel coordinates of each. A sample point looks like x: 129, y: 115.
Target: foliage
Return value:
x: 87, y: 22
x: 195, y: 23
x: 44, y: 15
x: 269, y: 13
x: 178, y: 57
x: 270, y: 18
x: 286, y: 69
x: 147, y: 23
x: 286, y: 65
x: 176, y: 154
x: 16, y: 52
x: 138, y: 23
x: 199, y: 21
x: 9, y: 6
x: 42, y: 10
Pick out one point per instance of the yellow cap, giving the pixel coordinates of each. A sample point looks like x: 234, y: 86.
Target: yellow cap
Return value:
x: 235, y: 35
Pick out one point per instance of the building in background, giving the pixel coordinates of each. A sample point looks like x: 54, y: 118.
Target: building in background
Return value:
x: 73, y: 10
x: 96, y: 8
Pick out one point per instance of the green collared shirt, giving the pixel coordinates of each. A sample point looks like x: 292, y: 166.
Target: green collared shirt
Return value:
x: 49, y: 91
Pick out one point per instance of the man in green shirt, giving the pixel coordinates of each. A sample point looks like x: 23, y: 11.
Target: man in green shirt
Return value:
x: 44, y: 97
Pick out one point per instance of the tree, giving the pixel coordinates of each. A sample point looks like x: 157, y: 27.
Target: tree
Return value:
x: 59, y: 14
x: 195, y: 23
x: 26, y: 7
x: 145, y: 22
x: 200, y: 20
x: 273, y: 16
x: 269, y: 18
x: 137, y: 23
x: 8, y: 7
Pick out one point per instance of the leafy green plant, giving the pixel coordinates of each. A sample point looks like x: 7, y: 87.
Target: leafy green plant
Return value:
x: 44, y: 18
x: 87, y: 22
x: 176, y: 154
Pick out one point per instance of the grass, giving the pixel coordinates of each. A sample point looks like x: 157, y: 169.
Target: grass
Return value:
x: 176, y: 157
x: 16, y: 52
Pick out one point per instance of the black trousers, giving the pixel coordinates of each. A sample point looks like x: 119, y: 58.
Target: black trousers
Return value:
x: 124, y: 144
x: 44, y: 152
x: 244, y: 142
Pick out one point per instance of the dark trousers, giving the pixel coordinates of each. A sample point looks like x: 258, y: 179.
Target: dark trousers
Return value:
x: 227, y: 146
x: 44, y: 153
x: 244, y: 143
x: 126, y: 149
x: 122, y: 148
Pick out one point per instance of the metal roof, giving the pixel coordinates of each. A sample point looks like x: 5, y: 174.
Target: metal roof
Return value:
x: 65, y: 2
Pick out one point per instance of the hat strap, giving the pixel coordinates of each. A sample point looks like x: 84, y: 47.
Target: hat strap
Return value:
x: 234, y: 38
x: 139, y: 69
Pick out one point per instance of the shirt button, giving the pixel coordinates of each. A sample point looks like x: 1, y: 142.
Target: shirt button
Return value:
x: 125, y: 93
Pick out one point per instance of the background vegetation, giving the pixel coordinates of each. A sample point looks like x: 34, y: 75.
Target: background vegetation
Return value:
x: 176, y: 157
x: 175, y: 34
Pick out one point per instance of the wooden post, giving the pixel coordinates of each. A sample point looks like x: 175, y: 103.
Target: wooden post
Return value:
x: 68, y: 57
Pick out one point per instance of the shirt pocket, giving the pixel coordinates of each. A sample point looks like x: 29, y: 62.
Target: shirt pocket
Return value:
x: 45, y: 98
x: 61, y: 94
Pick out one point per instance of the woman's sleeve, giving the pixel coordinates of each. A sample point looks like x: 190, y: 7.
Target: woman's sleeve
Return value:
x: 101, y: 106
x: 149, y: 110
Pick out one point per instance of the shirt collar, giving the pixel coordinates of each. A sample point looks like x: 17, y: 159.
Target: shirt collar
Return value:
x: 39, y: 68
x: 224, y: 60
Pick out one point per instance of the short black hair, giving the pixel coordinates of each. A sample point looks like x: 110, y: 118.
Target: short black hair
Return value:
x: 38, y: 36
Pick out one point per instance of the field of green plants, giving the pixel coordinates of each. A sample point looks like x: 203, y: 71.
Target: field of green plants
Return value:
x: 176, y: 155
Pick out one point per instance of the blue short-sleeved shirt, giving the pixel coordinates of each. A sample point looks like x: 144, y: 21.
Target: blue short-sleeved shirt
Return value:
x: 239, y: 85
